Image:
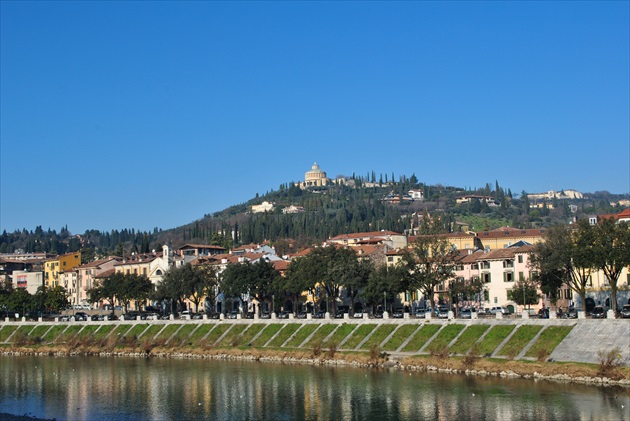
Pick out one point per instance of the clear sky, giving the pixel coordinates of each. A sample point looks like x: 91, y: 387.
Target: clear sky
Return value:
x: 151, y: 114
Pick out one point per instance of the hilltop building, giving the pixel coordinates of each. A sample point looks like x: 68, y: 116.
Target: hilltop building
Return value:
x: 314, y: 178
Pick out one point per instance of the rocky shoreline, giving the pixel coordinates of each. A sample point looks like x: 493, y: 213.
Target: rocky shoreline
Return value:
x: 510, y: 369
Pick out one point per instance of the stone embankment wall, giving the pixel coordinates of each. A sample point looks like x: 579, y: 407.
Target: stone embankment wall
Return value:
x: 582, y: 344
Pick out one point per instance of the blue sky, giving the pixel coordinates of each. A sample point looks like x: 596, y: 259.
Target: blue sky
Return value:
x: 151, y: 114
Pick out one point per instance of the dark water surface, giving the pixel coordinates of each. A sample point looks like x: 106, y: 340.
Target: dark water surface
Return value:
x: 101, y: 388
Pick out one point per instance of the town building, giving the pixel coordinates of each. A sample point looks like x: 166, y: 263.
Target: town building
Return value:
x: 53, y: 268
x: 263, y: 207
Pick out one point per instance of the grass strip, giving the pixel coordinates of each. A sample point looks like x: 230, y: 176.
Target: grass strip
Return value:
x: 200, y: 333
x: 266, y: 334
x: 548, y: 340
x: 381, y: 333
x: 39, y: 331
x: 301, y: 335
x: 216, y: 333
x: 445, y: 336
x: 248, y: 335
x: 519, y: 339
x: 68, y: 334
x: 358, y: 335
x: 181, y: 338
x: 168, y: 331
x: 136, y: 330
x: 493, y: 339
x: 52, y: 334
x: 340, y: 334
x: 88, y: 331
x: 468, y: 338
x: 6, y: 331
x: 153, y: 330
x: 103, y: 331
x: 284, y: 334
x: 399, y: 337
x: 320, y: 335
x: 232, y: 338
x: 421, y: 337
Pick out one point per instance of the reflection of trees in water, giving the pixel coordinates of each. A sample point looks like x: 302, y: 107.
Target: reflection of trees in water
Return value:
x: 198, y: 389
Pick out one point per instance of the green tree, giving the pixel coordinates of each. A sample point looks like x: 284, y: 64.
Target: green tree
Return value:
x: 430, y: 262
x: 610, y: 252
x: 524, y: 292
x: 384, y: 285
x: 565, y: 255
x: 200, y: 285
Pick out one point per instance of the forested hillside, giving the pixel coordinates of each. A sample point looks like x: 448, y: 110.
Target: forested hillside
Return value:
x: 362, y: 204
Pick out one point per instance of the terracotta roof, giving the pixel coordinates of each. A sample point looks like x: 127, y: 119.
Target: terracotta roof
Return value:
x: 507, y: 232
x: 504, y: 253
x: 201, y: 246
x: 97, y: 263
x: 280, y: 265
x: 621, y: 215
x: 105, y: 274
x: 365, y: 234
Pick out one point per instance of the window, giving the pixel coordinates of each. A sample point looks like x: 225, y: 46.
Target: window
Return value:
x: 486, y: 295
x: 496, y: 301
x: 485, y: 277
x: 485, y: 265
x: 521, y: 276
x: 508, y: 276
x: 520, y: 258
x: 589, y: 281
x: 135, y: 271
x: 474, y: 266
x: 508, y: 263
x: 390, y: 258
x: 567, y: 293
x: 459, y: 267
x: 144, y: 271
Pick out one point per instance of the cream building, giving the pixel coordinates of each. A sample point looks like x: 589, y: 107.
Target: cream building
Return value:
x: 314, y: 178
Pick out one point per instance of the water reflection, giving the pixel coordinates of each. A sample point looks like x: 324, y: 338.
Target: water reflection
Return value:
x: 95, y: 388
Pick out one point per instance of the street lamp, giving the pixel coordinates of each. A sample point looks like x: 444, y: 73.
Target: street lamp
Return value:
x: 384, y: 300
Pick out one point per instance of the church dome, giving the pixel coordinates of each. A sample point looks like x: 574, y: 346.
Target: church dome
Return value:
x: 315, y: 173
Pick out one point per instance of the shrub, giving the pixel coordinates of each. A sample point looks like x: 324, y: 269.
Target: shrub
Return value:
x: 332, y: 349
x: 439, y: 351
x: 608, y: 362
x: 542, y: 354
x: 471, y: 358
x: 317, y: 348
x: 375, y: 352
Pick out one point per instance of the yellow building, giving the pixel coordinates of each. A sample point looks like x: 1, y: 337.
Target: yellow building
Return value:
x: 54, y: 267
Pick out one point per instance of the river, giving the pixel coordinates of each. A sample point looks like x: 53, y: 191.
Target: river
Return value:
x: 117, y: 388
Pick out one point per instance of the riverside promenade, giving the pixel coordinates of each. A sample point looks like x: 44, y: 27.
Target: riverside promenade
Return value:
x: 586, y: 338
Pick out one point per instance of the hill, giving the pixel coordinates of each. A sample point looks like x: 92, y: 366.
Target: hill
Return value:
x: 355, y: 205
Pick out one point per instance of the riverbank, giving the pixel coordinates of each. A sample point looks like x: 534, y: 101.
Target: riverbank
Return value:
x: 471, y: 366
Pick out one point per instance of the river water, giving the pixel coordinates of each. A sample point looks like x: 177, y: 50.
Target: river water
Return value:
x: 116, y: 388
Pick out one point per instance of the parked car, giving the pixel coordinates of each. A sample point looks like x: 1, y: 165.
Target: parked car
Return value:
x: 442, y: 312
x: 233, y: 314
x: 378, y: 314
x: 398, y: 313
x: 543, y: 313
x: 465, y: 313
x: 499, y: 309
x: 301, y: 315
x: 64, y: 318
x: 185, y: 315
x: 80, y: 316
x: 318, y: 315
x: 199, y: 316
x: 421, y: 313
x: 339, y: 315
x: 95, y: 317
x: 283, y: 315
x: 625, y: 311
x: 598, y: 313
x: 212, y: 315
x: 265, y: 315
x: 571, y: 313
x: 358, y: 314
